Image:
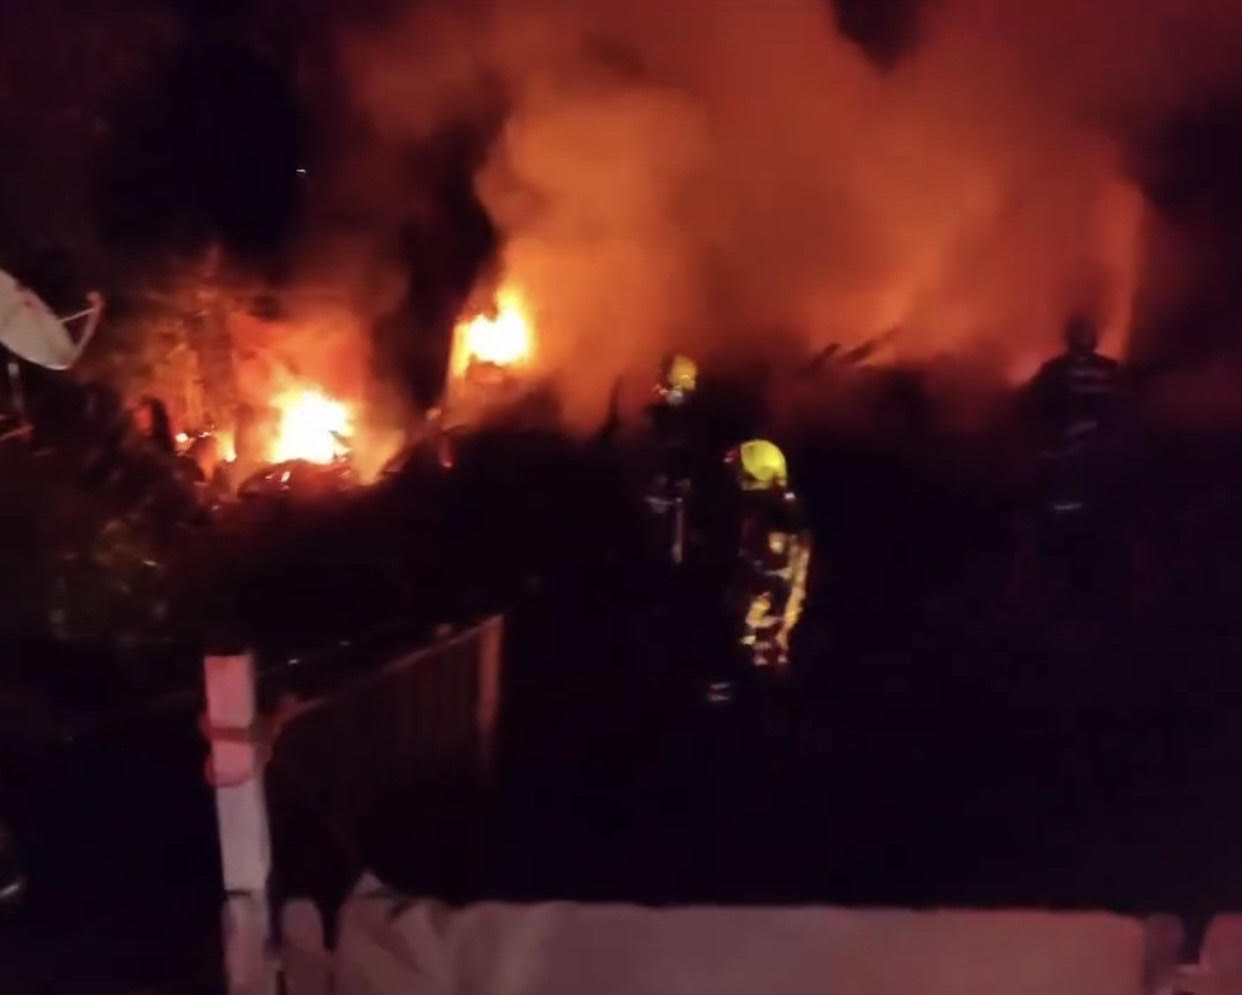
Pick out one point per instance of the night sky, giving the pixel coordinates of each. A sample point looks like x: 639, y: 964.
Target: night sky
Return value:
x: 194, y: 130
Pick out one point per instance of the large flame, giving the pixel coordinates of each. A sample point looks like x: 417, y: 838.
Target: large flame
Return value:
x: 313, y: 427
x: 506, y: 340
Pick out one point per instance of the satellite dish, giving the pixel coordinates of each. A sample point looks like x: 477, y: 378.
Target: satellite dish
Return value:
x: 29, y: 329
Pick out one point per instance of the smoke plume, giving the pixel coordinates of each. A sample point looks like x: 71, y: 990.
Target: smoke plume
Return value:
x: 727, y: 177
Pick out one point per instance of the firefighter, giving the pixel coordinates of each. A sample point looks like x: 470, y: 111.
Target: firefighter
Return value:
x: 1076, y: 398
x: 1069, y: 552
x: 773, y: 557
x: 668, y: 493
x: 679, y: 378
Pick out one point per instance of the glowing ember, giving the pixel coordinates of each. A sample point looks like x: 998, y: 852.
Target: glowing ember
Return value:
x: 313, y: 427
x: 505, y: 340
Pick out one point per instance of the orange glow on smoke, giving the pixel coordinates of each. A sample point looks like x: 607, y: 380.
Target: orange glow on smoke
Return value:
x: 504, y: 340
x: 313, y: 427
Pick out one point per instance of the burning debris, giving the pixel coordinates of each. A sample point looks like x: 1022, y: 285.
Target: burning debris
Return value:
x: 501, y: 341
x: 492, y: 362
x: 311, y: 455
x: 301, y: 479
x: 313, y: 427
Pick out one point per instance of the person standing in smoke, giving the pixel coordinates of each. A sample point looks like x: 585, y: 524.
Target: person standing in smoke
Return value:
x: 774, y: 554
x: 1077, y: 400
x: 1077, y: 405
x: 668, y: 492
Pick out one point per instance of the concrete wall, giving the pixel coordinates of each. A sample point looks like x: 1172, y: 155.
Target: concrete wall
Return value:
x: 391, y: 946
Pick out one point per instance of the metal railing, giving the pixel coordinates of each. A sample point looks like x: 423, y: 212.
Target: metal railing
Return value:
x: 331, y: 768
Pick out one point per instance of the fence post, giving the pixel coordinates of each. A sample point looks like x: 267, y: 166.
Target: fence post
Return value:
x: 236, y: 766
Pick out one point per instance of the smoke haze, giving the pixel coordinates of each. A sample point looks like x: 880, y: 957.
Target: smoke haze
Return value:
x: 714, y: 175
x: 728, y: 178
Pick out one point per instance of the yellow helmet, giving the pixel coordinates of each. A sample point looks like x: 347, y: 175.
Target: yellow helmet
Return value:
x: 681, y: 373
x: 760, y: 465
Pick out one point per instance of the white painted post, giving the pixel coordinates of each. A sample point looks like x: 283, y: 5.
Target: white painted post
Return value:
x: 241, y: 815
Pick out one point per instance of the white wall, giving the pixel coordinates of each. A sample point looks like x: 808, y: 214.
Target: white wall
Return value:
x: 390, y: 947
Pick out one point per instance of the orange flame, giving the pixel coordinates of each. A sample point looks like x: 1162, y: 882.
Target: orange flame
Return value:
x: 228, y: 445
x: 313, y: 427
x: 506, y: 340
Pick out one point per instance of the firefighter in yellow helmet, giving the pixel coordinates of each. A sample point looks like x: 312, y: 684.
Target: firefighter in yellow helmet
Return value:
x: 760, y: 467
x: 668, y: 491
x: 774, y: 554
x: 680, y: 378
